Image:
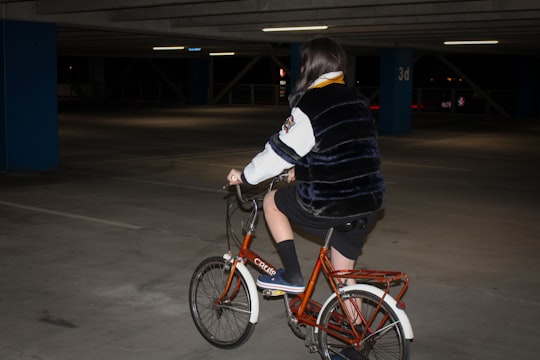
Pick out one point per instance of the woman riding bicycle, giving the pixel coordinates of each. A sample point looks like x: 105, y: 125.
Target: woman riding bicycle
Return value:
x: 329, y: 144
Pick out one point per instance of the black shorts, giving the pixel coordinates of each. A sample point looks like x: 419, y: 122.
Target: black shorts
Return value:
x: 348, y: 243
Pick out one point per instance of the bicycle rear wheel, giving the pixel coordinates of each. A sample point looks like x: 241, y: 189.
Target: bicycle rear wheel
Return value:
x: 224, y: 324
x: 383, y: 340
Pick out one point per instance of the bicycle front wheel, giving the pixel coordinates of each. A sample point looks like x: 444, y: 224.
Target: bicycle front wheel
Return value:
x: 222, y: 319
x: 384, y: 339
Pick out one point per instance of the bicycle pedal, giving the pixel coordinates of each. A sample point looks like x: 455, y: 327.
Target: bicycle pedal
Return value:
x: 272, y: 292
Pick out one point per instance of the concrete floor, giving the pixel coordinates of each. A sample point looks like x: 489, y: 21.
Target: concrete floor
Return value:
x: 96, y: 258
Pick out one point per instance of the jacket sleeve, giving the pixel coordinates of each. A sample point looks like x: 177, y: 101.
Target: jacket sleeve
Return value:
x: 283, y: 150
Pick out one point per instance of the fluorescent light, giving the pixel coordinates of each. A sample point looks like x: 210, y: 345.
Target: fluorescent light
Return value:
x: 168, y: 48
x: 194, y: 49
x: 296, y: 28
x: 472, y: 42
x: 221, y: 53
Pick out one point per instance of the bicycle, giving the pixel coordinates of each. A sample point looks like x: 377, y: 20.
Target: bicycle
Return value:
x: 360, y: 321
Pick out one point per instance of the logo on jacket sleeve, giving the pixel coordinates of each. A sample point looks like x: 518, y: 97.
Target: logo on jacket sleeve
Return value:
x: 289, y: 123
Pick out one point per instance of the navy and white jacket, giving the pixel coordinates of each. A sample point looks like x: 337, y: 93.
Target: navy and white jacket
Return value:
x: 330, y: 139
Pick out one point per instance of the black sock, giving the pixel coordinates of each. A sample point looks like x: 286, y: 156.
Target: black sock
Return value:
x: 292, y: 273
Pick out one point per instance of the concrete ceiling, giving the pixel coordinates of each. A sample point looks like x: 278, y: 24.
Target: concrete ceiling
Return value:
x: 133, y: 27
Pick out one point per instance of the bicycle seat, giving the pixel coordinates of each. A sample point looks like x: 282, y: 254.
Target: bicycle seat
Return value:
x: 348, y: 226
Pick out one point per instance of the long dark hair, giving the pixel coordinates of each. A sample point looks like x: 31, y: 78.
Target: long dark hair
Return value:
x: 319, y: 56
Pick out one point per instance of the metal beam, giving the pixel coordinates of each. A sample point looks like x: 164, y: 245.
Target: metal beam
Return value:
x: 473, y: 85
x: 70, y: 6
x: 237, y: 78
x: 325, y: 10
x: 352, y: 17
x: 174, y: 88
x: 344, y: 7
x: 418, y: 24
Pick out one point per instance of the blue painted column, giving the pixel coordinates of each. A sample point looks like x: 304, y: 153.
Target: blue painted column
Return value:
x: 29, y: 111
x: 198, y: 81
x: 396, y: 91
x: 528, y: 80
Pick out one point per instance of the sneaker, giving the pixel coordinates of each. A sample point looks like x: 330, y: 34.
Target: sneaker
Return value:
x: 276, y: 282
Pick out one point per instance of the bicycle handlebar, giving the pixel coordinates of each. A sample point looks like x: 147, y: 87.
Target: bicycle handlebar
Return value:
x: 259, y: 196
x: 242, y: 200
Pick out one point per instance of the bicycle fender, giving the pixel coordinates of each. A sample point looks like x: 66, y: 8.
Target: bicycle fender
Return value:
x: 252, y: 288
x: 388, y: 299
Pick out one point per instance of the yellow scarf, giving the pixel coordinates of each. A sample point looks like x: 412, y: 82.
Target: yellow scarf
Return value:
x: 340, y: 79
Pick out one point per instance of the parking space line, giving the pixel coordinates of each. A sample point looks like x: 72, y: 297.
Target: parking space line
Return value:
x: 70, y: 215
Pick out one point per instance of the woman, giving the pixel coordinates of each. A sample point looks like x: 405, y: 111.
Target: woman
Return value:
x: 329, y: 144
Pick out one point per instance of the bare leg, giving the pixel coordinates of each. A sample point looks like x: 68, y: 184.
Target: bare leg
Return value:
x: 341, y: 262
x: 282, y: 232
x: 277, y: 222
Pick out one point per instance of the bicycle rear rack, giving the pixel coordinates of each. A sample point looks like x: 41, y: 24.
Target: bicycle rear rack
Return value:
x: 379, y: 278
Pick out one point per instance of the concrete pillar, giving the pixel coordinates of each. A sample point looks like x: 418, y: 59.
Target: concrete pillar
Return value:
x: 350, y: 73
x: 396, y: 83
x: 96, y: 79
x: 28, y: 86
x: 199, y: 77
x: 528, y: 86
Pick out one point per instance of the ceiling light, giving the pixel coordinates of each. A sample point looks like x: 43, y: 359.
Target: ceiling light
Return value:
x: 221, y: 53
x: 472, y: 42
x: 158, y: 48
x: 295, y: 28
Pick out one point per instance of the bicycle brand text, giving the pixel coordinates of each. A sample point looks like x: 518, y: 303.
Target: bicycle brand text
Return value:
x: 265, y: 267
